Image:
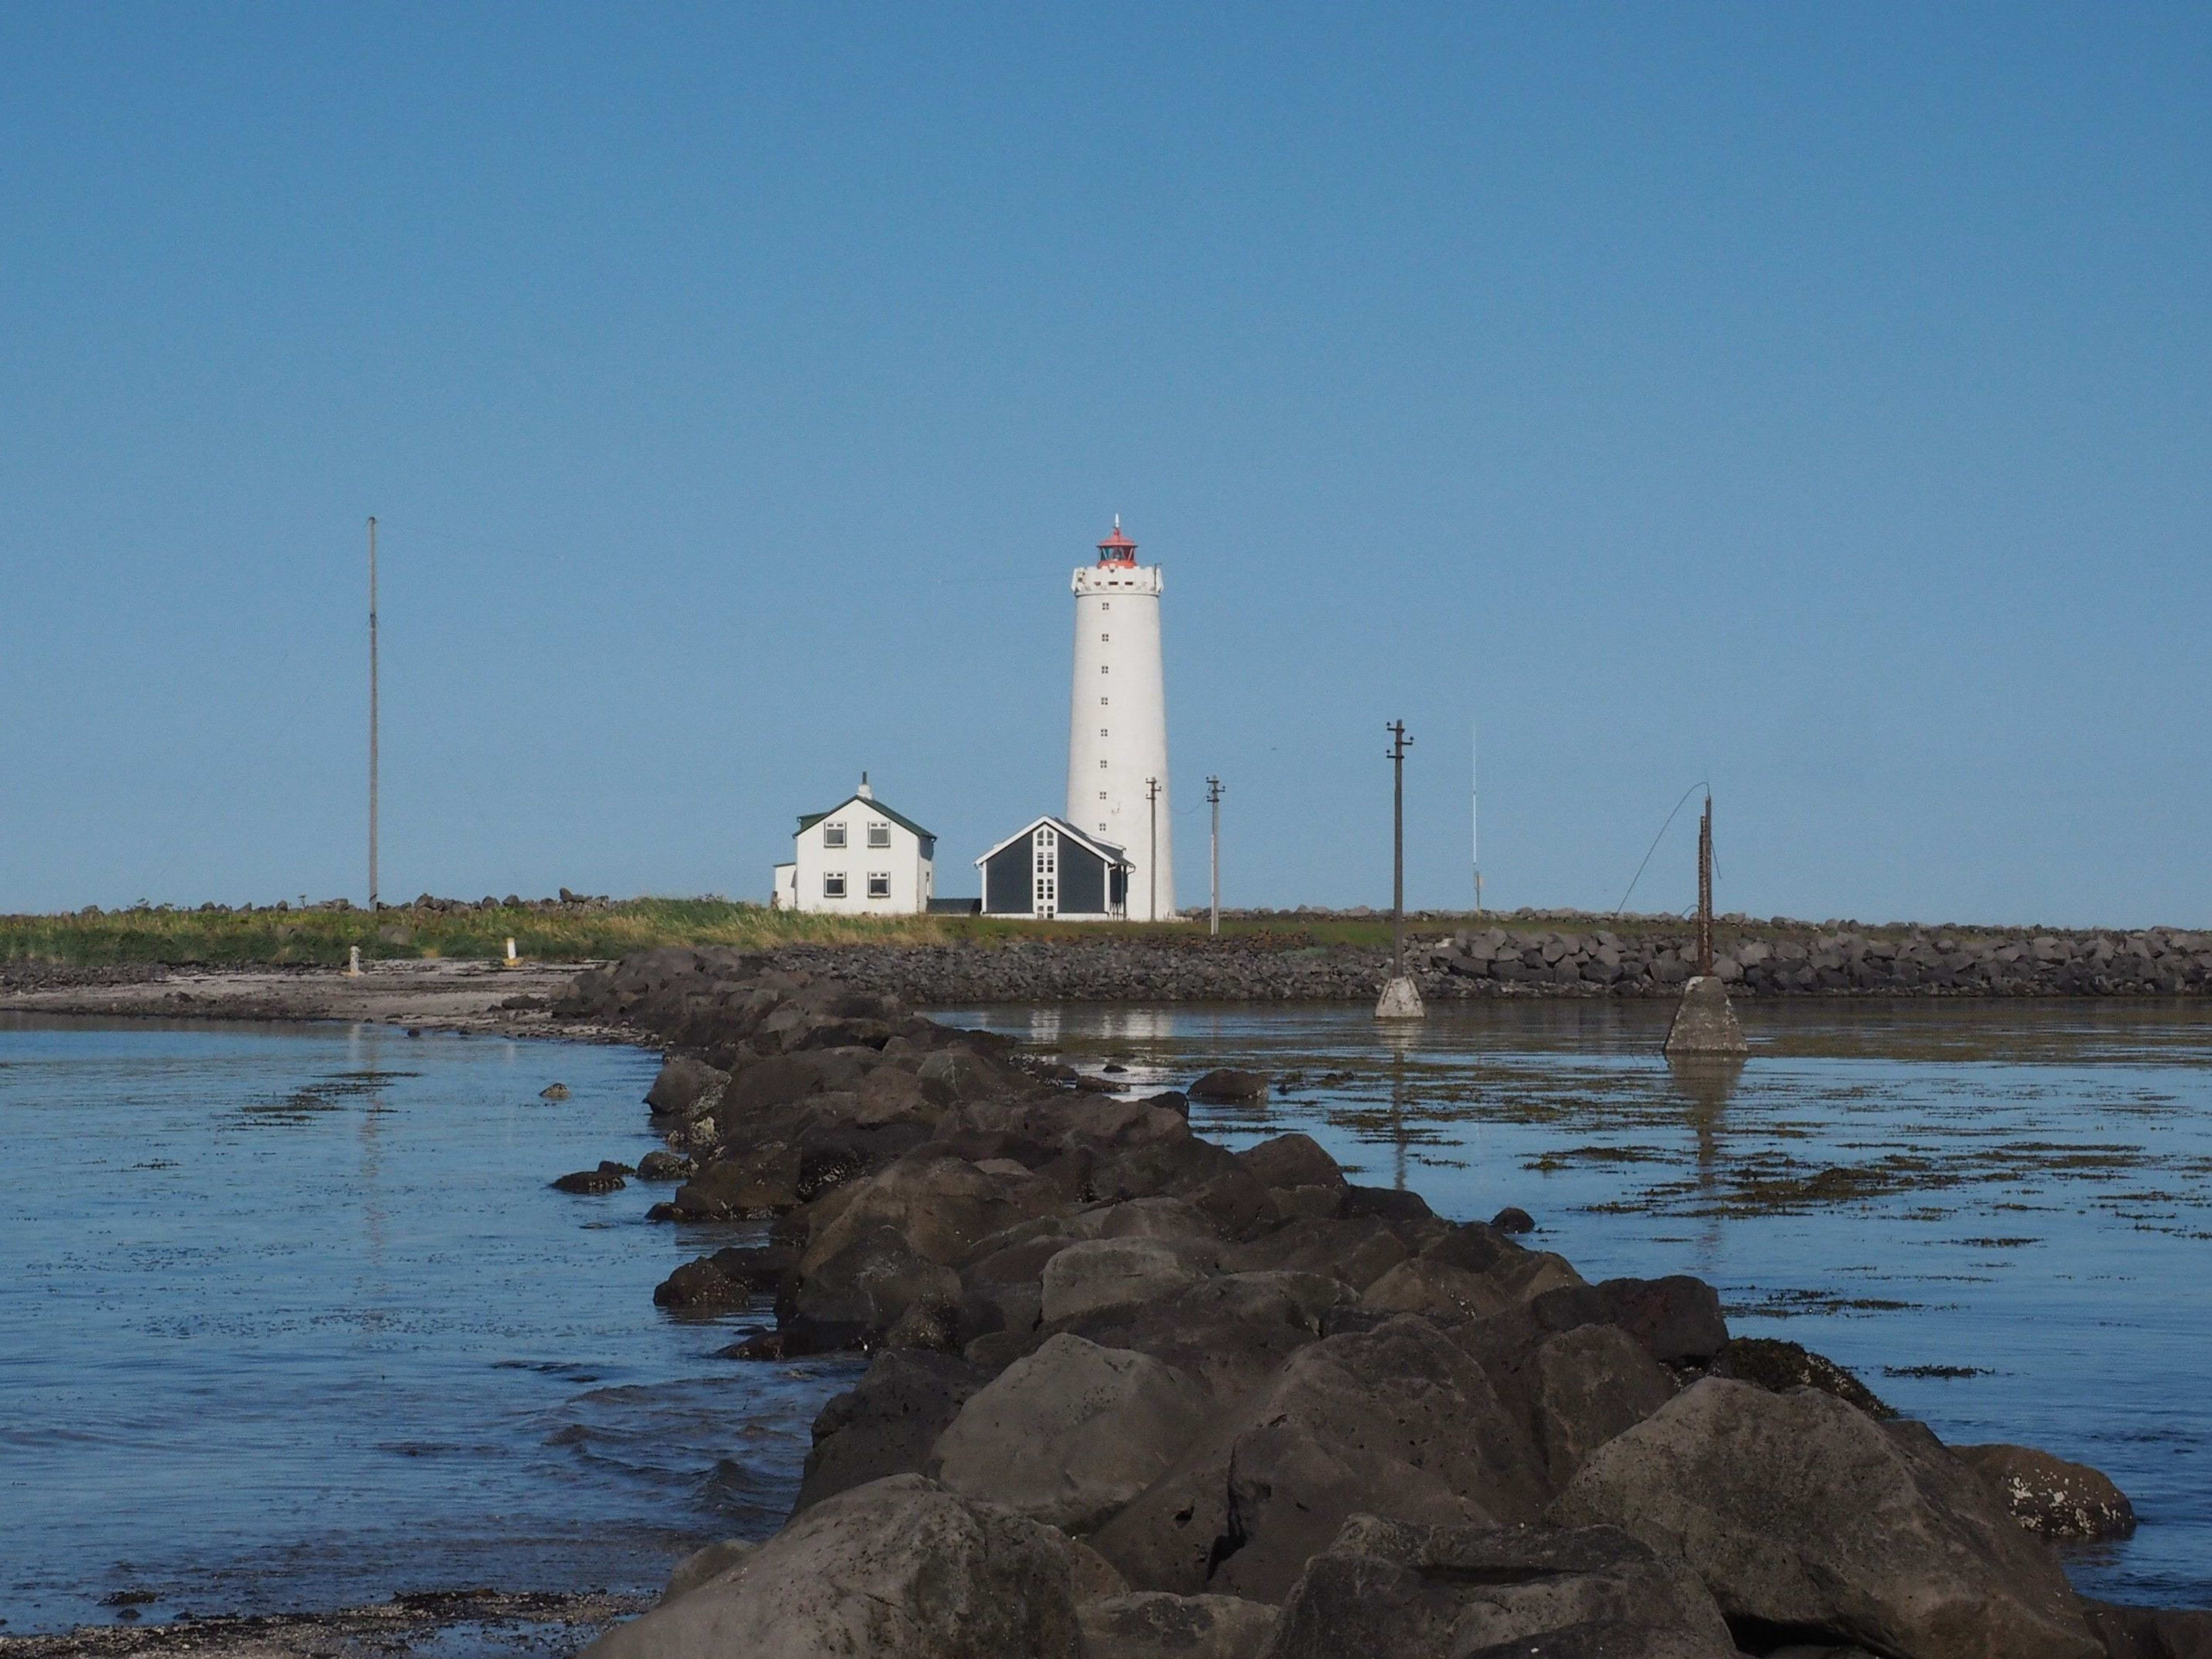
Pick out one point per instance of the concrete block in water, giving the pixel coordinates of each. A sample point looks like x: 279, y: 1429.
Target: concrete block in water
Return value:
x: 1401, y: 1000
x: 1705, y: 1024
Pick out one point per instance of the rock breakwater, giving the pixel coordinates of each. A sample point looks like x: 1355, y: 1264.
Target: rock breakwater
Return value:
x: 1531, y: 962
x: 1133, y: 1394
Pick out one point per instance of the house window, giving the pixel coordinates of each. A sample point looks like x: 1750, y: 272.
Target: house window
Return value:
x: 833, y: 884
x: 880, y: 883
x: 833, y: 834
x: 879, y: 834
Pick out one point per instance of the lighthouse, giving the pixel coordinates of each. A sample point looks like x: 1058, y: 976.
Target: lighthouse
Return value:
x: 1117, y: 729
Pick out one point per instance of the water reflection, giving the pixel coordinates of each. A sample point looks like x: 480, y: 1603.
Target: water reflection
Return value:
x: 1999, y: 1213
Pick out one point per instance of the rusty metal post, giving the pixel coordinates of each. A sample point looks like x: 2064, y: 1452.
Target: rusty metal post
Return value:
x: 1705, y: 890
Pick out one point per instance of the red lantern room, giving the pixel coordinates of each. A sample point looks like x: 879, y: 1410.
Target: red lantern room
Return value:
x: 1117, y: 549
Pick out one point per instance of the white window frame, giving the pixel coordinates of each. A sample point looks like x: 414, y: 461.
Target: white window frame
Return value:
x: 879, y: 834
x: 833, y: 834
x: 880, y: 883
x: 833, y: 884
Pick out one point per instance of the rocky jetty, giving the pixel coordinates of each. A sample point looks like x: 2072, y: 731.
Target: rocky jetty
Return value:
x: 1758, y: 960
x: 1133, y: 1394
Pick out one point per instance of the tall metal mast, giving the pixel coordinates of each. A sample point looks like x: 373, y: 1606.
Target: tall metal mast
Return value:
x: 1474, y: 807
x: 1399, y: 744
x: 1213, y: 799
x: 1705, y: 890
x: 372, y: 715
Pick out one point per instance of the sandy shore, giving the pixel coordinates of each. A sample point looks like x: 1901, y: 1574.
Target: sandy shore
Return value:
x: 477, y: 997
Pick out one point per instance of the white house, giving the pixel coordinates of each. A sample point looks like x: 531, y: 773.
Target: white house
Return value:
x: 858, y: 858
x: 1051, y: 869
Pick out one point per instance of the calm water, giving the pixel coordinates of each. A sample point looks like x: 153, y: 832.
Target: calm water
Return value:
x: 2024, y: 1192
x: 290, y: 1319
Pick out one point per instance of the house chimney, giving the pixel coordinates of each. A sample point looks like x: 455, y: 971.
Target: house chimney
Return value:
x: 866, y: 794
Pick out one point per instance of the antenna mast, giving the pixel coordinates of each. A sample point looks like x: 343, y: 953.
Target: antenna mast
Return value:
x: 1474, y: 805
x: 372, y: 715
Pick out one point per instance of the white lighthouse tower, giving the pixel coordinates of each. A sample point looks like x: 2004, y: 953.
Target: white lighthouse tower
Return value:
x: 1117, y: 729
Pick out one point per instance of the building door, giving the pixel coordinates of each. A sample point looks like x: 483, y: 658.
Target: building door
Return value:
x: 1044, y: 873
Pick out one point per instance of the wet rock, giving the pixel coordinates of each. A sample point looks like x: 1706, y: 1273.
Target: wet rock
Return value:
x: 768, y: 1083
x: 899, y: 1569
x: 2050, y: 1496
x: 868, y: 1284
x: 696, y: 1568
x: 685, y: 1088
x: 1111, y: 1273
x: 662, y: 1165
x: 1396, y: 1422
x: 1677, y: 1319
x: 1070, y: 1433
x: 942, y: 1206
x: 1441, y: 1592
x: 1590, y: 1385
x: 1513, y: 1220
x: 886, y: 1423
x: 1803, y: 1515
x: 2149, y: 1633
x: 1777, y: 1366
x: 953, y: 1075
x: 554, y: 1092
x: 1357, y: 1253
x: 1152, y: 1624
x: 1291, y: 1160
x: 1226, y: 1086
x: 589, y: 1181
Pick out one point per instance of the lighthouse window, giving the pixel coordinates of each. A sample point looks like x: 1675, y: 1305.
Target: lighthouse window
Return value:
x: 1105, y: 668
x: 1105, y: 605
x: 833, y: 884
x: 1101, y: 828
x: 1102, y: 765
x: 1101, y: 794
x: 1103, y: 702
x: 880, y: 883
x: 879, y: 834
x: 1103, y: 732
x: 833, y: 834
x: 1105, y: 638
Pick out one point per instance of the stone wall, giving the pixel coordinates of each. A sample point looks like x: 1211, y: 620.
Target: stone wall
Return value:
x: 1533, y: 961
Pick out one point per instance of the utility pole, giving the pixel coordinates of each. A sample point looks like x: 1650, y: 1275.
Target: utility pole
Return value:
x: 1152, y: 857
x: 1705, y: 890
x: 1213, y: 799
x: 1474, y: 808
x: 1399, y: 744
x: 1402, y: 998
x: 372, y: 716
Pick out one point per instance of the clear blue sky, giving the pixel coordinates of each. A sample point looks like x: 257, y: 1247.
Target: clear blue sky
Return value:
x: 1813, y: 399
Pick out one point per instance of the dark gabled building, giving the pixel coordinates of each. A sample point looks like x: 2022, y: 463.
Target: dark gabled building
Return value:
x: 1051, y: 869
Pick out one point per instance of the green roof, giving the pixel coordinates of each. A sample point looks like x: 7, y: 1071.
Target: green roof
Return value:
x: 807, y: 821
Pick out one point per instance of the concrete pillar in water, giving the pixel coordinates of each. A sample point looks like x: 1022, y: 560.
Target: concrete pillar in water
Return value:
x: 1705, y: 1024
x: 1401, y: 1000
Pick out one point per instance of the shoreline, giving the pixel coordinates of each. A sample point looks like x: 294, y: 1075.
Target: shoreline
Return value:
x: 470, y: 998
x: 526, y: 1621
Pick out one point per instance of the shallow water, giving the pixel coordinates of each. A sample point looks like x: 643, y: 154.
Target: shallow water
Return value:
x: 2022, y: 1193
x: 290, y: 1320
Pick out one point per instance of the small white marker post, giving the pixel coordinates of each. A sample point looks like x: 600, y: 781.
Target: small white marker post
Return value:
x: 353, y: 962
x: 513, y: 960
